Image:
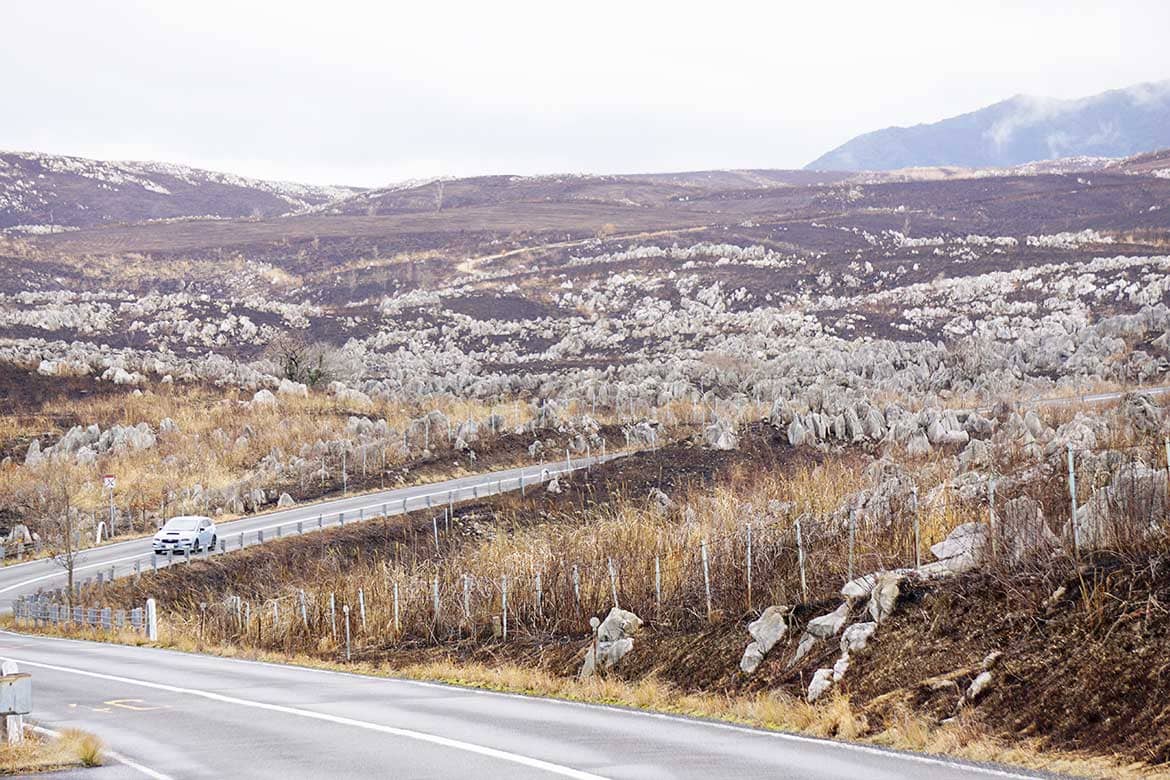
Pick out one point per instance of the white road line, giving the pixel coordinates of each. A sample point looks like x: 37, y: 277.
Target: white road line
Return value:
x: 690, y: 721
x: 121, y: 759
x: 483, y: 750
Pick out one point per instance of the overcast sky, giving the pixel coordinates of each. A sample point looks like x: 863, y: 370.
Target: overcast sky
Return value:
x: 365, y: 93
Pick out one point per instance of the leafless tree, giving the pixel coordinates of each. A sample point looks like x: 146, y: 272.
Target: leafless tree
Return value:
x: 51, y: 504
x: 299, y: 360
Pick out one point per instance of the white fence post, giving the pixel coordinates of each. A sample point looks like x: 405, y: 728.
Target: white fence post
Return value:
x: 504, y: 604
x: 658, y: 583
x: 345, y: 612
x: 1072, y: 491
x: 151, y: 620
x: 612, y: 581
x: 706, y: 575
x: 749, y: 567
x: 362, y: 607
x: 397, y: 622
x: 852, y: 540
x: 800, y: 561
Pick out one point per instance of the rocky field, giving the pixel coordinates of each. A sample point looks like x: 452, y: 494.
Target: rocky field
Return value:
x: 866, y: 471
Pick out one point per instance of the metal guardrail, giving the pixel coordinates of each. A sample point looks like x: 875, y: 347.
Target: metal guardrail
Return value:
x: 39, y: 612
x: 135, y: 565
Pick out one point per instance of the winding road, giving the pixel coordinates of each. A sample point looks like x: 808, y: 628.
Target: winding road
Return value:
x: 169, y: 714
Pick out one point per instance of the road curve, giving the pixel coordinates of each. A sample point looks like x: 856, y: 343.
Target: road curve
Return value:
x: 184, y: 715
x: 25, y: 578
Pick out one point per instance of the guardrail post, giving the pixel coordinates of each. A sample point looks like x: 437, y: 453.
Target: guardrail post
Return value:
x: 223, y: 545
x: 300, y: 527
x: 320, y: 522
x: 385, y: 511
x: 151, y: 620
x: 279, y: 531
x: 241, y: 540
x: 341, y: 518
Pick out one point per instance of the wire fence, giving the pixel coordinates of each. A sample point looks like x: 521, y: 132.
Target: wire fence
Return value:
x: 677, y: 571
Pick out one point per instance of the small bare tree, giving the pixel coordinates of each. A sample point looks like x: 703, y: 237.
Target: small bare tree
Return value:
x: 52, y: 505
x: 297, y: 359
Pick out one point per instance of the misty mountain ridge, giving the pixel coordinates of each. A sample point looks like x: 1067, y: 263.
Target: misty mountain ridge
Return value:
x: 1022, y: 129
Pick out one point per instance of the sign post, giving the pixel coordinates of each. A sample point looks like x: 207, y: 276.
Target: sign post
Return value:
x: 109, y: 481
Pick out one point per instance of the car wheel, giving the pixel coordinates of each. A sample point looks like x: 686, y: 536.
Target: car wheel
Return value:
x: 213, y: 542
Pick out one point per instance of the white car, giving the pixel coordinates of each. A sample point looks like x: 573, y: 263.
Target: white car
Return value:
x: 186, y: 534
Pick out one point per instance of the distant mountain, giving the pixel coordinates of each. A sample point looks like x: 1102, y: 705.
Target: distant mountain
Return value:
x: 1118, y: 123
x: 41, y: 193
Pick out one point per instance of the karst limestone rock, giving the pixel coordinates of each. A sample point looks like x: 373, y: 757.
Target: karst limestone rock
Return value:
x: 615, y: 639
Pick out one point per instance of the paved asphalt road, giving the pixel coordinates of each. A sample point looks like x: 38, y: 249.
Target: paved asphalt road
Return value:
x: 25, y: 578
x: 184, y: 715
x: 179, y: 715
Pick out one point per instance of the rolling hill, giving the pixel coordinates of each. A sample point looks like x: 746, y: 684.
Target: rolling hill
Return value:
x: 44, y: 193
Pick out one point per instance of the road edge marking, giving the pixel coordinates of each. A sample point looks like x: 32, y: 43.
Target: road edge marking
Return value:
x: 341, y: 720
x: 1020, y: 773
x: 119, y: 757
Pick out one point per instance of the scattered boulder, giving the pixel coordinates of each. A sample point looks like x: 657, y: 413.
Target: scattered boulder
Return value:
x: 857, y: 636
x: 291, y: 388
x: 554, y: 485
x: 822, y: 681
x: 918, y: 446
x: 828, y: 625
x: 963, y: 548
x: 284, y: 501
x: 614, y: 641
x: 766, y: 630
x: 884, y: 597
x: 1140, y: 413
x: 264, y: 398
x: 720, y: 435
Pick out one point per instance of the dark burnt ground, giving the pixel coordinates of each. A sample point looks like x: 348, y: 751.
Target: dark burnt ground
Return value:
x: 1086, y: 672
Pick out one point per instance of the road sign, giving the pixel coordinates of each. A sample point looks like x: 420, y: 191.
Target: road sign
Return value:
x: 108, y: 481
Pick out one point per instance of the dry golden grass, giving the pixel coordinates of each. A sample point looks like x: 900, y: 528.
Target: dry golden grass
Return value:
x: 220, y: 441
x: 72, y: 748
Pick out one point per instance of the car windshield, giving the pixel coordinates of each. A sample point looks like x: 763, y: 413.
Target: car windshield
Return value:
x: 182, y: 524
